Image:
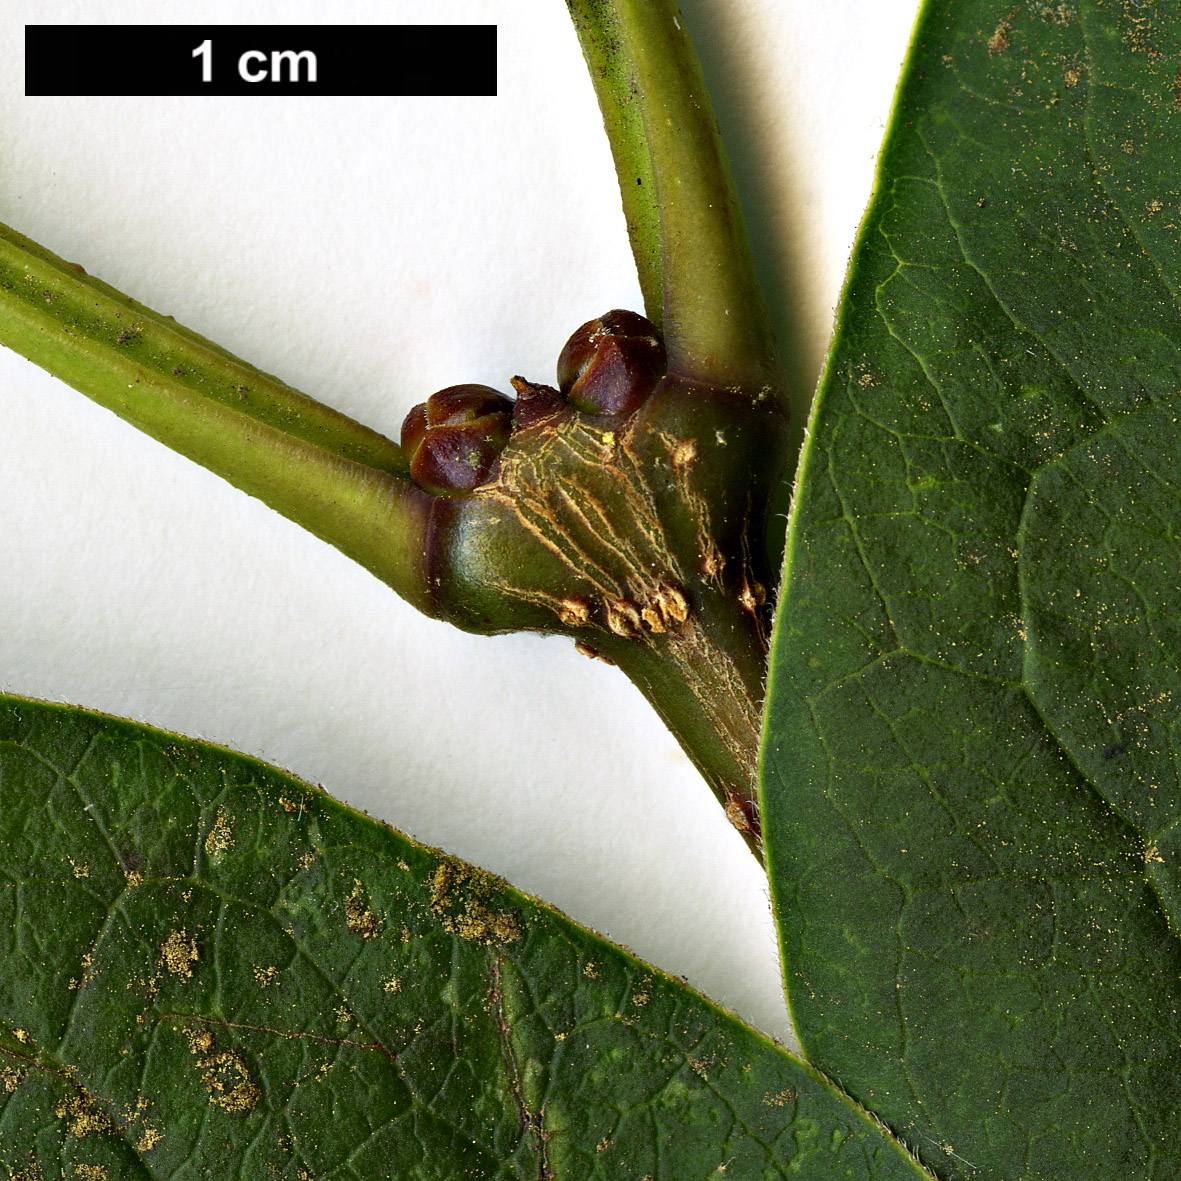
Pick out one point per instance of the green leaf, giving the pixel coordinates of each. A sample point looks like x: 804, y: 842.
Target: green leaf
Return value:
x: 970, y: 777
x: 212, y: 969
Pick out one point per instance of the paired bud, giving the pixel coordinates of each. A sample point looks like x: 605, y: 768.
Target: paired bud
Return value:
x: 452, y: 440
x: 610, y: 365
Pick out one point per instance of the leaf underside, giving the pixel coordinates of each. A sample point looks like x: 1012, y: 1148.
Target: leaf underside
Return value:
x: 209, y: 969
x: 971, y: 780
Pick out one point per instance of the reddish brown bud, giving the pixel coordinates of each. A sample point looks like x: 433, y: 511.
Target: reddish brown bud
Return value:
x: 452, y: 441
x: 413, y: 429
x: 610, y: 365
x: 459, y: 405
x: 534, y: 402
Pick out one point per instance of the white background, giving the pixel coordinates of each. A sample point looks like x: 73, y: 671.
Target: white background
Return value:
x: 370, y: 251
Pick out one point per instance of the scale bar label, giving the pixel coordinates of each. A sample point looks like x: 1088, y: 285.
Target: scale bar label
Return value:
x: 165, y: 60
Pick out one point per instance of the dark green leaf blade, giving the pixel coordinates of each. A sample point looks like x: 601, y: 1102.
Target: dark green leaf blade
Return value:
x: 1100, y: 541
x: 212, y: 969
x: 1099, y: 555
x: 969, y: 782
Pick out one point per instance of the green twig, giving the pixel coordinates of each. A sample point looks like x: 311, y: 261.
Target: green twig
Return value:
x: 686, y: 228
x: 337, y: 478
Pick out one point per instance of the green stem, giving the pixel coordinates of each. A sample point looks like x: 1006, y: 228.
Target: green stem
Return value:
x: 630, y: 533
x: 688, y: 237
x: 633, y: 531
x: 613, y: 72
x: 337, y: 478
